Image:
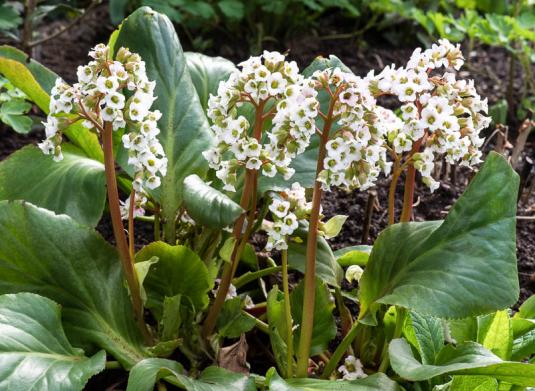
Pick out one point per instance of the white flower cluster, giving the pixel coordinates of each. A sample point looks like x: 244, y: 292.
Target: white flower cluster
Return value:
x: 273, y: 85
x: 446, y: 114
x: 98, y: 98
x: 355, y: 154
x: 139, y: 206
x: 352, y: 369
x: 287, y: 210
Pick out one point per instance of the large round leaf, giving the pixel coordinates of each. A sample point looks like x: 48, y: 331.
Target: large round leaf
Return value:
x: 462, y: 267
x: 376, y: 382
x: 466, y: 359
x: 34, y: 351
x: 74, y: 185
x: 145, y: 374
x: 184, y: 129
x: 56, y: 257
x: 209, y: 206
x: 179, y: 271
x: 206, y: 73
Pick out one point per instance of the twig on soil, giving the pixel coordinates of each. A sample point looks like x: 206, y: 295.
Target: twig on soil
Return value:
x: 73, y: 23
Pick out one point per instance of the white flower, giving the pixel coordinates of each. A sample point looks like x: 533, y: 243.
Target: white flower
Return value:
x: 353, y: 273
x: 352, y: 369
x: 107, y: 85
x: 115, y: 100
x: 292, y: 105
x: 279, y: 208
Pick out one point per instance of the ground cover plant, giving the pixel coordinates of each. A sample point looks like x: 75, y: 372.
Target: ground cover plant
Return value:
x: 214, y: 155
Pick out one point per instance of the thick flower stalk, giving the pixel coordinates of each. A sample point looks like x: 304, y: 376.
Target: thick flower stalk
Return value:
x: 351, y: 155
x: 441, y: 117
x: 275, y: 90
x: 113, y: 95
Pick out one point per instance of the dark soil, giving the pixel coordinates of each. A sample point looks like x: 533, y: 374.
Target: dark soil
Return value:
x: 488, y: 67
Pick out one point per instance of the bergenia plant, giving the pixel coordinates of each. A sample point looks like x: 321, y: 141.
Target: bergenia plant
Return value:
x: 114, y: 94
x: 170, y: 140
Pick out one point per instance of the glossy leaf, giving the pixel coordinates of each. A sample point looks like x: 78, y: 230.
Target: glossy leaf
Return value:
x: 523, y: 346
x: 465, y: 359
x: 496, y: 334
x: 184, y: 129
x: 75, y: 185
x: 178, y: 271
x: 327, y: 269
x: 278, y: 328
x: 207, y: 205
x: 324, y: 329
x: 12, y: 113
x: 353, y: 255
x: 34, y: 351
x: 56, y: 257
x: 461, y: 267
x: 145, y: 374
x: 232, y: 322
x: 206, y: 73
x: 429, y: 336
x: 377, y: 382
x: 474, y: 383
x: 36, y: 81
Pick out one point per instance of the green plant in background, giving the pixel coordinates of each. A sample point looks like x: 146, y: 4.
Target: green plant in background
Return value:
x: 20, y: 19
x: 432, y: 298
x: 14, y: 107
x: 258, y: 20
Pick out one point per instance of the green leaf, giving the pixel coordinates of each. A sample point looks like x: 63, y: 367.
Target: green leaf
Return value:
x: 12, y: 113
x: 376, y: 382
x: 184, y: 129
x: 463, y: 330
x: 278, y: 328
x: 523, y: 346
x: 324, y: 329
x: 333, y: 226
x: 465, y: 359
x: 9, y: 17
x: 353, y: 255
x: 36, y: 81
x: 527, y: 309
x: 209, y: 206
x: 232, y: 322
x: 495, y: 333
x: 429, y: 336
x: 206, y: 73
x: 219, y: 379
x: 461, y: 267
x: 232, y: 9
x: 74, y: 185
x: 145, y: 374
x: 56, y: 257
x: 326, y: 266
x: 178, y: 271
x: 34, y: 351
x: 171, y: 318
x: 474, y: 383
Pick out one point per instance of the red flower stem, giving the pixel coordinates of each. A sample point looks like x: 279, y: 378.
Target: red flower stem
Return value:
x: 309, y: 299
x: 118, y: 230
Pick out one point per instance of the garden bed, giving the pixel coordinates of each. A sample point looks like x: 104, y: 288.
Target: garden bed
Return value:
x: 490, y: 66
